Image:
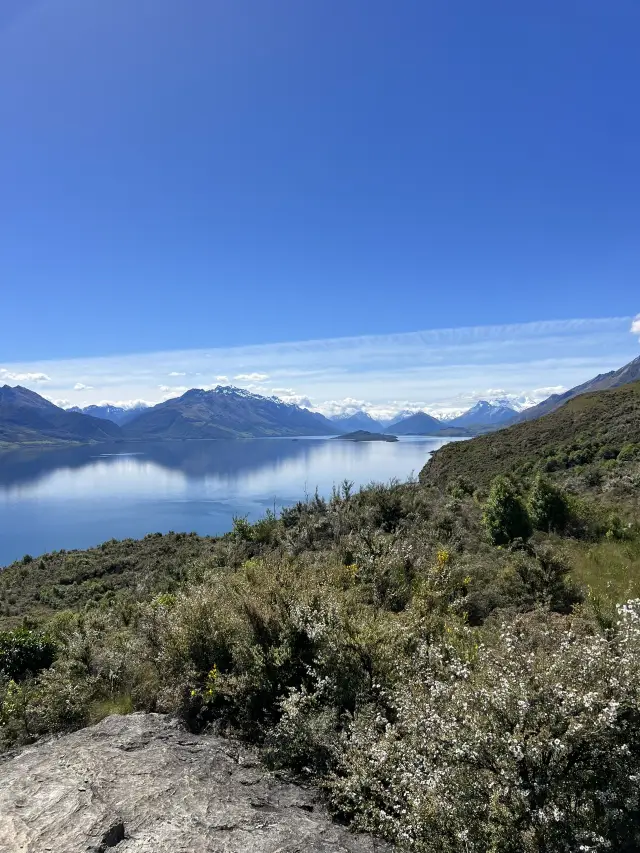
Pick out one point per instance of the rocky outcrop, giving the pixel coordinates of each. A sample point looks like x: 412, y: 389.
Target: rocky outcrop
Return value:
x: 141, y: 783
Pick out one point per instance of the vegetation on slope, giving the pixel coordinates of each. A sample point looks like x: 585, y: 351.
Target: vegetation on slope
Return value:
x: 603, y: 382
x: 593, y: 427
x: 455, y: 665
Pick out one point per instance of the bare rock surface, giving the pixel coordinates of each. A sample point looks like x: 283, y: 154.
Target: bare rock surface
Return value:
x: 141, y: 784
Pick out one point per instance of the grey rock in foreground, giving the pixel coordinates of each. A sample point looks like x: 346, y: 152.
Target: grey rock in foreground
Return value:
x: 141, y: 783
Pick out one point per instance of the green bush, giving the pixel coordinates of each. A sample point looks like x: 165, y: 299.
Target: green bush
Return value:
x: 548, y: 507
x: 629, y: 452
x: 505, y: 515
x: 24, y: 652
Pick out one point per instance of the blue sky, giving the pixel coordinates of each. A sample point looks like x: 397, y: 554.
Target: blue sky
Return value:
x: 214, y: 176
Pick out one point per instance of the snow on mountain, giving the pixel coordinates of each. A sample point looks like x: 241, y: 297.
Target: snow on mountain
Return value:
x: 357, y: 421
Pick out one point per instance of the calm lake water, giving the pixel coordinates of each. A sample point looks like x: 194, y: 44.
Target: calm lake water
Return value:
x: 78, y: 497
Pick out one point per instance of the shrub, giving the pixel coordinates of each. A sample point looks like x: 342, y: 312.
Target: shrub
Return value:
x: 529, y: 744
x: 505, y: 515
x: 629, y: 452
x: 24, y: 652
x: 548, y: 507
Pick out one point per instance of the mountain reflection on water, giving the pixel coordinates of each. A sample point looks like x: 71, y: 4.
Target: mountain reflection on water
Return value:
x: 79, y: 496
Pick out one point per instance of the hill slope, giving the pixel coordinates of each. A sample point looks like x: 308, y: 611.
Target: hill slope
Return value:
x: 226, y: 412
x: 27, y: 418
x: 586, y: 426
x: 603, y: 382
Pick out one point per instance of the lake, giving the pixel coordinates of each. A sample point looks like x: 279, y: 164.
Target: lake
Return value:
x: 58, y: 498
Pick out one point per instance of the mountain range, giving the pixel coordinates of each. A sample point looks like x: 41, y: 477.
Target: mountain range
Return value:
x: 228, y: 412
x: 117, y: 414
x: 27, y: 418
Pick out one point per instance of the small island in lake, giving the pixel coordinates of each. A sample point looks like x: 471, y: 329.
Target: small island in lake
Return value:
x: 365, y: 435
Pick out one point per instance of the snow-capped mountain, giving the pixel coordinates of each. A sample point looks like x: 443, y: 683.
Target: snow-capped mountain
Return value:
x: 116, y: 414
x: 226, y: 412
x: 484, y: 413
x: 399, y: 416
x: 356, y: 421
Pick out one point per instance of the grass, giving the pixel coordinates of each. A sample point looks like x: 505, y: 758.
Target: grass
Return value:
x: 607, y: 569
x: 122, y: 704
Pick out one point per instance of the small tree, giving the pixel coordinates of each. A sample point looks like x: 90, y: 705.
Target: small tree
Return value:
x: 505, y: 516
x: 548, y: 507
x: 24, y: 652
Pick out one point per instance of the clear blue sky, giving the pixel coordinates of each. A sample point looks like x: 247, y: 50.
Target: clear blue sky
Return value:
x: 195, y: 173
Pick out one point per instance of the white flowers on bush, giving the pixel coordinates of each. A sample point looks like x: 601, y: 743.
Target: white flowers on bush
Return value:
x: 530, y: 743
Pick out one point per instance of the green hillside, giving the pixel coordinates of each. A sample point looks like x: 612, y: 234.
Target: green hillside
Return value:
x: 587, y: 428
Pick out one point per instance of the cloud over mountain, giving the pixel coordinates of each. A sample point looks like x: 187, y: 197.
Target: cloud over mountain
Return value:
x: 251, y: 377
x: 440, y: 371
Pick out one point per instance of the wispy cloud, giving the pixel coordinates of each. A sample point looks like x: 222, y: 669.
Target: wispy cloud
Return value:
x: 80, y: 386
x: 252, y: 377
x: 33, y: 378
x: 434, y: 370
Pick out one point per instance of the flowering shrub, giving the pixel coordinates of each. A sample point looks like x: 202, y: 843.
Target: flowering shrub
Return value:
x: 527, y: 743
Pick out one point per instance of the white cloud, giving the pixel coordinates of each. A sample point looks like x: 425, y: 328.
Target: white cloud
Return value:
x: 177, y: 373
x: 170, y: 393
x: 635, y: 325
x: 541, y: 394
x: 10, y: 376
x: 434, y: 370
x: 79, y: 386
x: 297, y: 400
x: 346, y: 406
x: 251, y: 377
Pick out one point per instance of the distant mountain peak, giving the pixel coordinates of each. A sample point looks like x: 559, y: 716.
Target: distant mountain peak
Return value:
x: 417, y: 423
x: 110, y: 412
x: 231, y: 391
x: 485, y: 413
x: 358, y: 420
x: 26, y: 417
x: 18, y: 394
